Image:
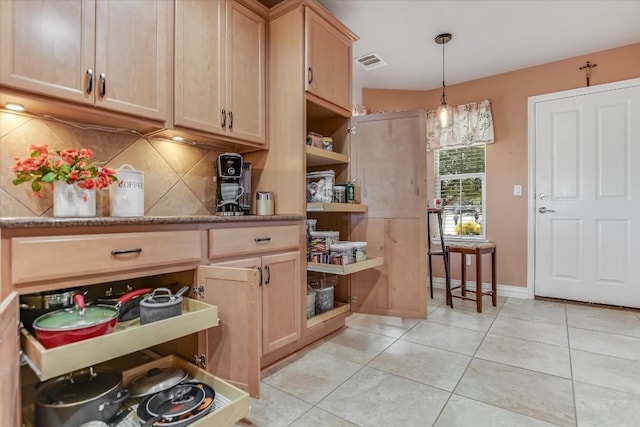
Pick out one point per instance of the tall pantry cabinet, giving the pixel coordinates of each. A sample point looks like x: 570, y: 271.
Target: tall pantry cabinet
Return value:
x: 309, y: 90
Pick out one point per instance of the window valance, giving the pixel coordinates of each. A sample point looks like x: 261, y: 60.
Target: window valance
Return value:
x: 472, y: 124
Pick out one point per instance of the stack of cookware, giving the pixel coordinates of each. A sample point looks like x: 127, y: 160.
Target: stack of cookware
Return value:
x: 170, y: 399
x: 95, y: 397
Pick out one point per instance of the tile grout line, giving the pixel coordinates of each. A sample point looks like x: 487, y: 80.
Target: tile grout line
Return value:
x: 451, y: 393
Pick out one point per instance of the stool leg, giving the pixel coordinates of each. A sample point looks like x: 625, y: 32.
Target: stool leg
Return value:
x: 463, y: 274
x: 430, y: 277
x: 447, y: 276
x: 494, y: 279
x: 478, y: 281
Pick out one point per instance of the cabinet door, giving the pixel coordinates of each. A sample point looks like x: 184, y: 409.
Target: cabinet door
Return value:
x: 199, y: 59
x: 132, y: 38
x: 47, y: 47
x: 10, y: 412
x: 245, y: 74
x: 280, y: 300
x: 233, y: 348
x: 328, y: 62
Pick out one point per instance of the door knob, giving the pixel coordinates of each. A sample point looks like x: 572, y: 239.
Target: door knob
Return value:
x: 543, y: 210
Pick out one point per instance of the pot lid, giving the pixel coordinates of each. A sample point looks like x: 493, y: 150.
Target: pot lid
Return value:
x: 78, y: 387
x: 71, y: 318
x: 155, y: 380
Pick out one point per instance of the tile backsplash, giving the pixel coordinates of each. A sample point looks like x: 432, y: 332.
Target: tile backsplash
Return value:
x: 178, y: 178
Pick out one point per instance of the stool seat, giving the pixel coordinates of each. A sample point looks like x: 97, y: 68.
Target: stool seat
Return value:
x: 477, y: 249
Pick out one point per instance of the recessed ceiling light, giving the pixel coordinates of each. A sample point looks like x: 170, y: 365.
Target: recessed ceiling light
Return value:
x: 177, y: 138
x: 14, y: 107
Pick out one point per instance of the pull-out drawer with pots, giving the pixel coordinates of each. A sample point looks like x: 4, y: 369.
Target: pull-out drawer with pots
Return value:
x: 229, y: 404
x: 252, y: 240
x: 68, y: 257
x: 128, y: 337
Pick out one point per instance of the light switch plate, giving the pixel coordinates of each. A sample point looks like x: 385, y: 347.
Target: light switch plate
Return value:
x: 517, y: 190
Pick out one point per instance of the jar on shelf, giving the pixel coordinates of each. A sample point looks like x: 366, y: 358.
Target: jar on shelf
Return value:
x: 314, y: 139
x: 339, y: 194
x: 360, y: 251
x: 327, y: 143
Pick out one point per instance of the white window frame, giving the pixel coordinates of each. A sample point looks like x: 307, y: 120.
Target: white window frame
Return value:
x: 483, y: 178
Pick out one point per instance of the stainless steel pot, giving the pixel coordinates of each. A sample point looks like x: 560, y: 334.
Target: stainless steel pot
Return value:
x: 161, y: 304
x: 95, y: 394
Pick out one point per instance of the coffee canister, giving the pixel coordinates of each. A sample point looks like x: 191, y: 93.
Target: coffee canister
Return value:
x: 264, y: 203
x: 127, y: 193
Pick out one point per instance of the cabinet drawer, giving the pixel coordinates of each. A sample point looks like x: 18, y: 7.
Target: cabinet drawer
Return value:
x: 230, y: 404
x: 250, y: 240
x: 55, y: 257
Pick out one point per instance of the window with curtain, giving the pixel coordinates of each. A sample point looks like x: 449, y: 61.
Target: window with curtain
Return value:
x: 460, y: 168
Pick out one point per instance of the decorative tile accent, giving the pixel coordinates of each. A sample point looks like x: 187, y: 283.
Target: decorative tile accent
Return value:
x: 181, y: 157
x: 164, y: 164
x: 179, y: 198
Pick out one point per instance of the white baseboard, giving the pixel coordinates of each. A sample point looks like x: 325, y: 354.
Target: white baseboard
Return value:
x: 503, y: 290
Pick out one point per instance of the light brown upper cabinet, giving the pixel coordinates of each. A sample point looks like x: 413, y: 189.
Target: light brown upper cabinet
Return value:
x: 107, y: 53
x: 328, y: 61
x: 220, y: 69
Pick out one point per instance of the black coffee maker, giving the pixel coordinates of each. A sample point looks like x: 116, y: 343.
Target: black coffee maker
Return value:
x: 229, y: 185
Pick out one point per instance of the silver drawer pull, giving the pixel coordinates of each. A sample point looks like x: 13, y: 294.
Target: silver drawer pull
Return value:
x: 262, y: 239
x: 126, y: 251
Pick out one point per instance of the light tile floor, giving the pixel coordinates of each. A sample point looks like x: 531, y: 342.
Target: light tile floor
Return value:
x: 522, y: 363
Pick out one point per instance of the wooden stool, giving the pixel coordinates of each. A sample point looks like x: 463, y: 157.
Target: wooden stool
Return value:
x: 477, y: 249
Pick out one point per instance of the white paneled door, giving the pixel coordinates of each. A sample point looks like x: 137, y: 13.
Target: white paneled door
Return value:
x: 587, y: 194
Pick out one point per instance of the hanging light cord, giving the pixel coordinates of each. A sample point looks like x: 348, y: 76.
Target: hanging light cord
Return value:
x: 443, y: 98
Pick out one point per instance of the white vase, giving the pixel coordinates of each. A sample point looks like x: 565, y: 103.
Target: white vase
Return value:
x: 69, y: 200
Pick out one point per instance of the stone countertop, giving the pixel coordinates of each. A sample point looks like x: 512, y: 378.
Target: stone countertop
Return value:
x: 51, y: 222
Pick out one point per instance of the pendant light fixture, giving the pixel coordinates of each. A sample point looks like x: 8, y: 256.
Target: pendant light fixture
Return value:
x: 444, y: 112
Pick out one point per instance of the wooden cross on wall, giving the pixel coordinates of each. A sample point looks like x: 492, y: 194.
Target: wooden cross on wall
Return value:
x: 587, y: 68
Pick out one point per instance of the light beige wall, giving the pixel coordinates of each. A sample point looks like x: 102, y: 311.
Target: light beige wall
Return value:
x: 507, y: 157
x: 178, y: 178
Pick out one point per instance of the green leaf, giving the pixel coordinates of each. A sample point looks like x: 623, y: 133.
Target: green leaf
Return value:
x: 49, y: 177
x: 35, y: 186
x: 19, y: 180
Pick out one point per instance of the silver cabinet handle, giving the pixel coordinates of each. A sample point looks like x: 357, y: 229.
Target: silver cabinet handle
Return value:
x: 89, y: 81
x: 103, y: 84
x: 543, y: 210
x: 224, y: 118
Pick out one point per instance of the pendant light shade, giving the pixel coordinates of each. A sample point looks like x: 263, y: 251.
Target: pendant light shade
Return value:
x: 445, y: 111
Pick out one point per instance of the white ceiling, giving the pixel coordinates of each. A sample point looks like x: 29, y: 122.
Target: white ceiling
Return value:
x: 489, y: 37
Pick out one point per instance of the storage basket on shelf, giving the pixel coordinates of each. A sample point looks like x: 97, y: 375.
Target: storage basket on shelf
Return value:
x: 320, y: 245
x: 323, y: 286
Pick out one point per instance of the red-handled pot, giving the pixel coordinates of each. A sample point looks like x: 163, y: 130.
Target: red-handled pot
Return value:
x: 70, y: 325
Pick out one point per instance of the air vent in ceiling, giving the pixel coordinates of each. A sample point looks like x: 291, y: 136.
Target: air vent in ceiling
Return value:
x: 371, y: 61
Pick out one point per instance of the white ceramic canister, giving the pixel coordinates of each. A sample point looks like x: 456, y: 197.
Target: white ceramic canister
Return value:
x: 127, y: 193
